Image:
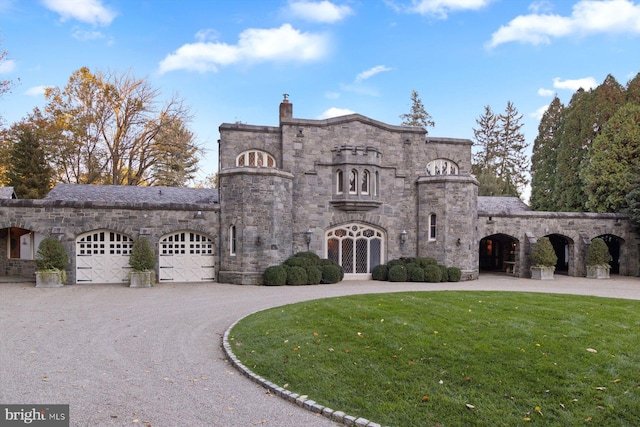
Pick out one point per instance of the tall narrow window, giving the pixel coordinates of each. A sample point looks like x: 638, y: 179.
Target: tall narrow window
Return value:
x: 232, y: 240
x: 376, y: 184
x: 432, y: 227
x: 339, y: 182
x: 353, y: 182
x: 364, y: 189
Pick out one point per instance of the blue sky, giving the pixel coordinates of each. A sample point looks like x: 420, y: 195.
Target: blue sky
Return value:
x: 231, y: 60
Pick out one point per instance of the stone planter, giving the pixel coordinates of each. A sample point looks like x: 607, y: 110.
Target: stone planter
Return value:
x: 597, y: 272
x: 141, y: 279
x: 50, y: 279
x: 542, y: 273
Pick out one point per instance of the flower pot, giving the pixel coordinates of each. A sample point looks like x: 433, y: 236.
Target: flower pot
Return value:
x: 597, y: 272
x: 141, y: 279
x: 542, y: 273
x: 50, y: 278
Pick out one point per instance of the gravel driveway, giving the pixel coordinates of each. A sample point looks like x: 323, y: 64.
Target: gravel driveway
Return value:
x: 152, y: 357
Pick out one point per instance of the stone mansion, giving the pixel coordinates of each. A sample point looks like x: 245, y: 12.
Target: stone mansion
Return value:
x: 350, y: 188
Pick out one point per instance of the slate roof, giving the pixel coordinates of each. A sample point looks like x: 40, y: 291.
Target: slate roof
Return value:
x: 132, y: 194
x: 505, y: 205
x: 7, y: 193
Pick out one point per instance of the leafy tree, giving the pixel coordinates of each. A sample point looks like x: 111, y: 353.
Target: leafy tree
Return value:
x: 210, y: 181
x: 5, y: 85
x: 501, y: 161
x: 418, y: 115
x: 613, y: 159
x: 633, y: 200
x: 28, y: 171
x: 544, y: 159
x: 114, y: 130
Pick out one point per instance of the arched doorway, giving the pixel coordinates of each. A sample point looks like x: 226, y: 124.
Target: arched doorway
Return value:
x: 562, y: 247
x: 498, y: 252
x: 358, y: 248
x: 186, y: 256
x: 613, y: 243
x: 102, y: 256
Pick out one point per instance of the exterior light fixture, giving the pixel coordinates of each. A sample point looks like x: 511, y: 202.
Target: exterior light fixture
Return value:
x: 198, y: 215
x: 403, y: 237
x: 307, y: 238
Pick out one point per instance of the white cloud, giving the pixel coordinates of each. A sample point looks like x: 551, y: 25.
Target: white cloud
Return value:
x: 546, y: 92
x: 89, y: 11
x: 539, y: 112
x: 7, y: 66
x: 254, y: 45
x: 587, y: 17
x: 36, y: 91
x: 335, y: 112
x: 441, y: 8
x: 332, y: 95
x: 319, y: 11
x: 371, y: 72
x: 82, y: 35
x: 586, y: 83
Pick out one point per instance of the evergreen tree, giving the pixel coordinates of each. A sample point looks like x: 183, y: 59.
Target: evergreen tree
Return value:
x: 632, y: 91
x: 486, y: 139
x: 633, y: 200
x: 614, y: 157
x: 418, y: 115
x: 544, y: 159
x: 29, y: 172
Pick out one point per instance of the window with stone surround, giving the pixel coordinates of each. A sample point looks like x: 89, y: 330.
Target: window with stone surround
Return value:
x: 256, y: 158
x: 339, y: 182
x: 442, y: 167
x: 366, y: 182
x: 232, y: 240
x: 432, y: 227
x: 353, y: 182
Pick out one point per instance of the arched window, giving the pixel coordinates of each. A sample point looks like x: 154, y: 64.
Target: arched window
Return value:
x: 232, y: 240
x: 339, y: 182
x: 442, y: 167
x: 255, y: 158
x: 353, y: 182
x: 432, y: 227
x: 358, y: 248
x: 366, y: 182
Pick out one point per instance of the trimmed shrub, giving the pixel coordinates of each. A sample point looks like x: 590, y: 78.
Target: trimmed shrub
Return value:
x: 408, y: 260
x: 331, y: 273
x: 415, y: 273
x: 313, y: 258
x: 296, y: 276
x: 423, y: 262
x: 398, y: 273
x: 454, y: 274
x: 314, y: 275
x: 276, y: 275
x: 380, y: 272
x: 142, y: 257
x: 295, y: 261
x: 443, y: 270
x: 432, y: 274
x: 598, y: 253
x: 51, y: 255
x: 394, y: 262
x: 543, y: 254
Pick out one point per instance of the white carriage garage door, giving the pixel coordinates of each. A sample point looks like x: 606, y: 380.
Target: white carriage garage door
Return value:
x: 102, y: 256
x: 186, y: 256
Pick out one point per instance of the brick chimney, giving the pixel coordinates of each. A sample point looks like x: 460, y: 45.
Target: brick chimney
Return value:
x: 286, y: 108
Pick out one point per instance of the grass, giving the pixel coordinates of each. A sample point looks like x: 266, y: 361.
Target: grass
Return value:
x: 455, y: 358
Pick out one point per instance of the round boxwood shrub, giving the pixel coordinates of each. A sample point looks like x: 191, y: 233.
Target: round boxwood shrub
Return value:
x: 394, y: 262
x: 398, y: 273
x: 295, y: 261
x: 314, y: 275
x: 296, y: 276
x: 51, y: 255
x: 454, y: 274
x: 423, y: 262
x: 415, y: 273
x: 276, y: 275
x: 331, y: 273
x: 380, y: 272
x: 443, y: 270
x: 432, y: 274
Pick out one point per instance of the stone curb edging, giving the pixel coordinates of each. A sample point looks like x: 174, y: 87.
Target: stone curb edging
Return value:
x: 302, y: 401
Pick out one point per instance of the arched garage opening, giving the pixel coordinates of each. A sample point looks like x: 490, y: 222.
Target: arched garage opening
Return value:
x: 563, y: 247
x: 613, y: 243
x: 186, y: 256
x: 102, y: 256
x: 498, y: 252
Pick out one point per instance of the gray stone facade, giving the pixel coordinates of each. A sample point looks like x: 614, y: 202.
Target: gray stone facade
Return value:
x: 349, y: 188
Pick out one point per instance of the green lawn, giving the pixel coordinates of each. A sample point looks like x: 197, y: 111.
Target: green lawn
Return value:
x: 455, y: 358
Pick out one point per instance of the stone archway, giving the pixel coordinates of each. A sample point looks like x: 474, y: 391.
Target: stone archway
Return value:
x: 614, y: 244
x: 499, y: 252
x: 563, y: 247
x: 357, y: 247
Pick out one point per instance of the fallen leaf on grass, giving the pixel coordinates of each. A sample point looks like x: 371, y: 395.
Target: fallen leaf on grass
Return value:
x: 592, y: 350
x: 425, y: 398
x: 470, y: 406
x: 601, y: 388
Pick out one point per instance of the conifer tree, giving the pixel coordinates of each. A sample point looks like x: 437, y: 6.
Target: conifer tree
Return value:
x: 418, y: 115
x: 28, y: 172
x: 544, y: 159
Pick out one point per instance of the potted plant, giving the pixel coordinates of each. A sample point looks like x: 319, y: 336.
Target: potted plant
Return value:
x: 543, y: 260
x: 51, y: 261
x: 598, y: 259
x: 142, y: 261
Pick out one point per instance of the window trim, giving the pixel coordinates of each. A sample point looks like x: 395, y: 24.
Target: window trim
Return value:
x: 233, y: 240
x: 339, y: 181
x: 258, y: 156
x: 433, y: 227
